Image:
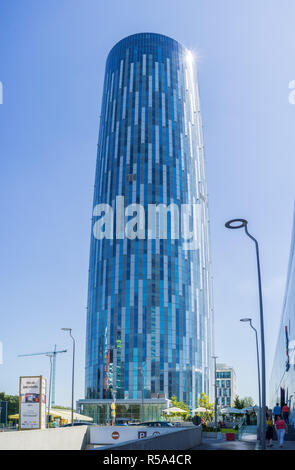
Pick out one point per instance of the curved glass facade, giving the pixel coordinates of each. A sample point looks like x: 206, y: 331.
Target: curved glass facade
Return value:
x: 282, y: 382
x: 149, y: 319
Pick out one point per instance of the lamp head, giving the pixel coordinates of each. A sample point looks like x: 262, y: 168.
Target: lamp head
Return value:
x: 246, y: 319
x: 236, y: 223
x: 66, y: 329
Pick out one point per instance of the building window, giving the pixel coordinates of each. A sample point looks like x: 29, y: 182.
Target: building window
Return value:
x: 131, y: 177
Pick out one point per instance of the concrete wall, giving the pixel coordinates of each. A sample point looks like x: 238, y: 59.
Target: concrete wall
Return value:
x: 115, y: 435
x: 182, y: 439
x: 69, y: 438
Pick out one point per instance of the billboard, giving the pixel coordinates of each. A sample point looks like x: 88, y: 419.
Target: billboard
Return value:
x: 32, y: 402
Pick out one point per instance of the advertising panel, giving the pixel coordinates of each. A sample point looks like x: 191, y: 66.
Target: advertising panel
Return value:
x: 32, y: 395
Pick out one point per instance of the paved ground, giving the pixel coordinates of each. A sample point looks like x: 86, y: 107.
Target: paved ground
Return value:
x: 247, y: 444
x: 288, y: 445
x: 214, y: 444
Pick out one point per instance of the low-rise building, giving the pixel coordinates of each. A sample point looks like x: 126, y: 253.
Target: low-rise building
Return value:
x: 225, y: 385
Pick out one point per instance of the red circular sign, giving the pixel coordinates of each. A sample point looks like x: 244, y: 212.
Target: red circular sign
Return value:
x: 115, y: 435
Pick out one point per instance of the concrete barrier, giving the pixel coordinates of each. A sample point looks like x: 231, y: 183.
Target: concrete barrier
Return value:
x: 180, y: 439
x: 115, y: 435
x: 68, y: 438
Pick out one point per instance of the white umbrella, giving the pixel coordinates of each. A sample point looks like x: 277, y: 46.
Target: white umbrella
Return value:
x: 201, y: 409
x: 174, y: 409
x: 250, y: 408
x: 230, y: 410
x: 67, y: 414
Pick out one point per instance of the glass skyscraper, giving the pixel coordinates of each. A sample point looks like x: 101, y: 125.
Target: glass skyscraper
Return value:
x: 150, y: 315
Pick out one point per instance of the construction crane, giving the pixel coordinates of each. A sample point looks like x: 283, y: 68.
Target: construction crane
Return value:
x: 51, y: 354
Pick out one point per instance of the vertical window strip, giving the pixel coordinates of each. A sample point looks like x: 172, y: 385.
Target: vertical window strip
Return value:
x: 156, y: 76
x: 124, y: 102
x: 143, y: 64
x: 150, y: 164
x: 168, y: 72
x: 142, y: 125
x: 121, y: 73
x: 163, y: 110
x: 128, y: 145
x: 136, y: 109
x: 170, y: 138
x: 131, y: 77
x: 175, y: 105
x: 113, y: 118
x: 164, y: 184
x: 150, y: 91
x: 157, y: 145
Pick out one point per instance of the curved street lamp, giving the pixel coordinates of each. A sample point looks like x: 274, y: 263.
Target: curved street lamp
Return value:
x: 243, y: 223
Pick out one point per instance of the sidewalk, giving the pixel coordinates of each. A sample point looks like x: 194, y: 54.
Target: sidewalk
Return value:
x: 248, y: 442
x: 215, y: 444
x: 288, y: 445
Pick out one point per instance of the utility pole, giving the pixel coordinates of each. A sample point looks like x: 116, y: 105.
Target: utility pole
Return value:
x: 215, y: 392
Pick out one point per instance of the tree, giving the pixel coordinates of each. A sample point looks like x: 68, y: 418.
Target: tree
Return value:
x: 241, y: 403
x: 12, y: 403
x: 182, y: 406
x: 204, y: 402
x: 248, y: 401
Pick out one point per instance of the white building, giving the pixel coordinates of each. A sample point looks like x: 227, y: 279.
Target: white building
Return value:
x: 225, y: 385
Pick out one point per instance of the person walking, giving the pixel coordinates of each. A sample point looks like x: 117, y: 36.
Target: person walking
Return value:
x: 269, y: 431
x: 281, y: 428
x: 286, y: 412
x: 277, y: 411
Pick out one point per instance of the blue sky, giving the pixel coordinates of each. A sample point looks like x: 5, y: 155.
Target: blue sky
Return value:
x: 52, y: 58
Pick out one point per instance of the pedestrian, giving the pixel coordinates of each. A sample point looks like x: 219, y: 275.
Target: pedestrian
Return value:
x: 277, y: 411
x: 293, y: 421
x: 286, y: 412
x: 281, y: 428
x: 247, y: 418
x: 269, y: 431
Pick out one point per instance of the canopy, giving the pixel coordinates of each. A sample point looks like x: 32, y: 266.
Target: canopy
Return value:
x: 250, y: 408
x: 67, y: 414
x: 174, y: 409
x: 60, y: 413
x: 230, y: 410
x: 201, y: 409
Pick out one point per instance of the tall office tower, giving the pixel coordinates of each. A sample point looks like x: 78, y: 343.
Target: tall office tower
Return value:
x: 149, y: 320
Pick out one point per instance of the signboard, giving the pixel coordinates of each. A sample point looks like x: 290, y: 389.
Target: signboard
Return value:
x: 118, y: 434
x: 32, y: 402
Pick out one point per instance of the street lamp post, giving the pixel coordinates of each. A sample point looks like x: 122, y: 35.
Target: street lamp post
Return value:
x: 73, y: 371
x: 215, y: 391
x: 258, y: 362
x: 236, y: 224
x: 49, y: 394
